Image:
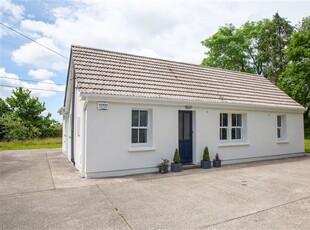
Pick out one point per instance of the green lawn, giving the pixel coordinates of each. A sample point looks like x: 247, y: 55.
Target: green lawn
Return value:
x: 52, y: 143
x: 307, y: 140
x: 48, y: 143
x: 307, y: 145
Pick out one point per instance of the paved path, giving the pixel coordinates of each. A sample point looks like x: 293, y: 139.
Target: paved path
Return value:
x: 40, y: 189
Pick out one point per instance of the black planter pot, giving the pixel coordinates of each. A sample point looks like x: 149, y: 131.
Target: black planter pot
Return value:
x: 217, y: 163
x: 160, y: 169
x: 205, y: 164
x: 165, y: 169
x: 176, y: 167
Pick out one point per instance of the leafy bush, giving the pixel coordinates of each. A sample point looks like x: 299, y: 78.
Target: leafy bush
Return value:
x: 13, y: 128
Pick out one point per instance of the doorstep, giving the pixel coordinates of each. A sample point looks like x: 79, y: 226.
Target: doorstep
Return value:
x: 190, y: 166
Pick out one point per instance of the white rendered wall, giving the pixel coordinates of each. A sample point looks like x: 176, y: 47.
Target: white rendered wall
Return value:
x: 78, y: 131
x: 109, y: 151
x: 65, y: 135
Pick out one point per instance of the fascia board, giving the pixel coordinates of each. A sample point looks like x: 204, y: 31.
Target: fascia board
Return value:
x: 211, y: 104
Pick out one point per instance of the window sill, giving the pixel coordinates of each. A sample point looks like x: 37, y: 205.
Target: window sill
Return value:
x: 233, y: 144
x: 141, y: 149
x: 282, y: 142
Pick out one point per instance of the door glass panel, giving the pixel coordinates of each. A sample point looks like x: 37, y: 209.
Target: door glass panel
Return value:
x: 180, y: 127
x: 187, y: 134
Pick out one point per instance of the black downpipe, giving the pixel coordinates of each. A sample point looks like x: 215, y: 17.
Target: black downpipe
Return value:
x: 73, y: 118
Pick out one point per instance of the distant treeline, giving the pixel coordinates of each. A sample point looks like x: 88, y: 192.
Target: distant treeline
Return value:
x: 273, y: 48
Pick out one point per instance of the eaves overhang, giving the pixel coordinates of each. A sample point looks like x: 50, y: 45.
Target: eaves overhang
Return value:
x: 215, y: 104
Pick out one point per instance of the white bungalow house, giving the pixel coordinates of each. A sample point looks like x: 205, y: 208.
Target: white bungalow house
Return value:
x: 123, y: 113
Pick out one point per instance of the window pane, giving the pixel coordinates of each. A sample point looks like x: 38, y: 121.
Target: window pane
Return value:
x: 223, y: 134
x: 143, y: 118
x: 279, y: 132
x: 234, y: 120
x: 187, y: 124
x: 233, y: 133
x: 223, y: 119
x: 279, y: 121
x: 239, y: 120
x: 135, y: 118
x: 142, y: 135
x: 236, y: 133
x: 134, y: 136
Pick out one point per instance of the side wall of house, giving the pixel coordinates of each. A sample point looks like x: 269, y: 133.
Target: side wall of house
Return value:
x: 109, y: 151
x: 78, y: 131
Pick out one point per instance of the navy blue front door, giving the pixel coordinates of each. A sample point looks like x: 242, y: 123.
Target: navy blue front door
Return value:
x: 185, y: 136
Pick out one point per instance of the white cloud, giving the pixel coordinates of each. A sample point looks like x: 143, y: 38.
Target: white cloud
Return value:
x: 9, y: 81
x: 166, y: 29
x: 145, y: 52
x: 10, y: 9
x: 34, y: 54
x: 41, y: 74
x: 9, y: 13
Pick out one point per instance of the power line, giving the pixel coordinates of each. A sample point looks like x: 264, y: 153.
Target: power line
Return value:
x: 23, y: 79
x: 52, y: 90
x: 10, y: 28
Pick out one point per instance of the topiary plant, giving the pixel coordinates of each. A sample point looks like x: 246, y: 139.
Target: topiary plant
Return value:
x: 176, y: 158
x: 206, y: 156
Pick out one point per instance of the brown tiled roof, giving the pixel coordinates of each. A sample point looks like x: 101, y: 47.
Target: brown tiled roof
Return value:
x: 101, y: 72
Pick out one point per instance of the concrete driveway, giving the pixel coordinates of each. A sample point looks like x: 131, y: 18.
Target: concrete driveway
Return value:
x: 40, y: 189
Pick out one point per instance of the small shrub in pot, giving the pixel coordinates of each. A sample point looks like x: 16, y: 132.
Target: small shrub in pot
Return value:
x: 176, y: 166
x: 205, y: 163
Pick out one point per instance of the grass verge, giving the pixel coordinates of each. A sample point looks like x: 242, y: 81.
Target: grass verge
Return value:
x: 307, y: 146
x: 52, y: 143
x: 48, y: 143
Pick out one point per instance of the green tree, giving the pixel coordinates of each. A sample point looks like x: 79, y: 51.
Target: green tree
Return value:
x: 28, y: 108
x: 255, y: 47
x: 295, y: 80
x: 276, y: 38
x: 4, y: 108
x: 21, y: 118
x: 227, y: 49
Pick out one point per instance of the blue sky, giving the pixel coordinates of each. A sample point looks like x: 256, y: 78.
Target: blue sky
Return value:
x: 169, y: 29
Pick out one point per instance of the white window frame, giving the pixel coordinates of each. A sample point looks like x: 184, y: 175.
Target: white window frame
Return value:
x: 281, y: 128
x: 148, y: 127
x: 230, y: 127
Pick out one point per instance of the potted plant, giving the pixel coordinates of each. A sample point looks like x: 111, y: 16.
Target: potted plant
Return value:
x: 217, y: 161
x: 176, y: 166
x: 205, y: 163
x: 163, y: 166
